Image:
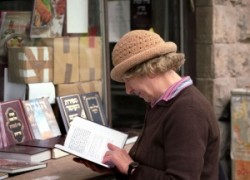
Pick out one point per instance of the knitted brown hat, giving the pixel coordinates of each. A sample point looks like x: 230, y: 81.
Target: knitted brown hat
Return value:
x: 136, y: 47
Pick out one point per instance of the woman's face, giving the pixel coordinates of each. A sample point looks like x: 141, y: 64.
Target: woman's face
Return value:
x: 141, y: 86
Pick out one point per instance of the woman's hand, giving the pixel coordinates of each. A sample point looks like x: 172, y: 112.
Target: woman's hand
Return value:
x: 117, y: 156
x: 92, y: 166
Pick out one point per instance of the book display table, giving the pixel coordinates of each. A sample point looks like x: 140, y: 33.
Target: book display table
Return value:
x: 62, y: 168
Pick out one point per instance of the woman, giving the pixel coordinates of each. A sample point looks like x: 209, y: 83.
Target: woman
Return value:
x: 180, y: 137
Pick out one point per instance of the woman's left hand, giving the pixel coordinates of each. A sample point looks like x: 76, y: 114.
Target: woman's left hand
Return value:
x: 92, y: 166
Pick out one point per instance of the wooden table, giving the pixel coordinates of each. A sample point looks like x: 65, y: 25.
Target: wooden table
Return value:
x: 62, y: 168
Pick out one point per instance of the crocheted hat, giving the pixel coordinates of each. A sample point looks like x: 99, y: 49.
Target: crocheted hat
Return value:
x: 136, y: 47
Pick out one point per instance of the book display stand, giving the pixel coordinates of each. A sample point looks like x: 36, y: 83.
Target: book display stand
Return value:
x: 46, y: 26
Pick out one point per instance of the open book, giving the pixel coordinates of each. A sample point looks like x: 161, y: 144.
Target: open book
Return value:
x: 88, y: 140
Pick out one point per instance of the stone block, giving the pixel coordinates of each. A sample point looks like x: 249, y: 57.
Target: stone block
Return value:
x: 232, y: 60
x: 204, y: 61
x: 204, y: 23
x: 217, y: 91
x: 222, y: 60
x: 224, y: 25
x: 200, y: 3
x: 206, y: 88
x: 243, y: 26
x: 243, y: 81
x: 222, y: 93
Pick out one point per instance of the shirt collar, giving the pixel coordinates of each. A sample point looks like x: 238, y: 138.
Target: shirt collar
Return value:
x: 174, y: 89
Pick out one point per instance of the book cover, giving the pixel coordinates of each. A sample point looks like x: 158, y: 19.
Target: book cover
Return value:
x: 94, y: 108
x: 41, y: 118
x: 88, y: 140
x: 48, y: 143
x: 70, y: 106
x: 14, y: 124
x: 25, y: 153
x: 12, y: 166
x: 141, y: 15
x: 45, y: 143
x: 14, y: 29
x: 47, y: 18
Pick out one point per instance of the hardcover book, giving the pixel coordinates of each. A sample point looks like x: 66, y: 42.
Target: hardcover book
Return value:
x: 41, y: 118
x: 12, y: 166
x: 14, y: 29
x: 14, y: 125
x: 94, y: 108
x: 47, y: 18
x: 88, y: 140
x: 70, y: 106
x: 25, y: 153
x: 48, y: 143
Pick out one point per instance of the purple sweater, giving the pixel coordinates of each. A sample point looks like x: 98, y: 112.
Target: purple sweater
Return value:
x: 180, y: 140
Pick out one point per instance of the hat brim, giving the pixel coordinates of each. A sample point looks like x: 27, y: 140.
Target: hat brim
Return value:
x: 161, y: 49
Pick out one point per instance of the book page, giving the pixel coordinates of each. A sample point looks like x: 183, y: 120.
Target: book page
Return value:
x: 89, y: 140
x: 77, y: 16
x: 119, y: 19
x: 17, y: 166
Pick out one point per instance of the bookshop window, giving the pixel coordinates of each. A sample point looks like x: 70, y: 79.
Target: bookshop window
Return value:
x: 65, y: 49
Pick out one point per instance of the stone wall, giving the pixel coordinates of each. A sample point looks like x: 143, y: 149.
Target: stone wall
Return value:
x: 223, y: 59
x: 223, y: 49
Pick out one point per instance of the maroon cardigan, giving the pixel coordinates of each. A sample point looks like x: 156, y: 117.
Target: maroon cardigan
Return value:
x: 180, y: 140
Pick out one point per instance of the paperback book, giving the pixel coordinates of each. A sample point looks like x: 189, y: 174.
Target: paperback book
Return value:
x: 25, y: 153
x: 41, y: 118
x: 50, y: 144
x: 12, y: 166
x: 48, y: 18
x: 88, y: 140
x: 14, y: 29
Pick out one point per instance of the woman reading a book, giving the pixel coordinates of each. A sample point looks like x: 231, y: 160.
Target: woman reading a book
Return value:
x: 180, y: 137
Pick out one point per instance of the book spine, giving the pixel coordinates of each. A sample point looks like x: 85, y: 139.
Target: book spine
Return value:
x: 63, y: 113
x: 28, y: 131
x: 3, y: 138
x: 93, y: 107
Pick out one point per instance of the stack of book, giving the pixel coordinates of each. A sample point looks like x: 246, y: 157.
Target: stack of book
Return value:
x: 28, y: 132
x: 10, y: 166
